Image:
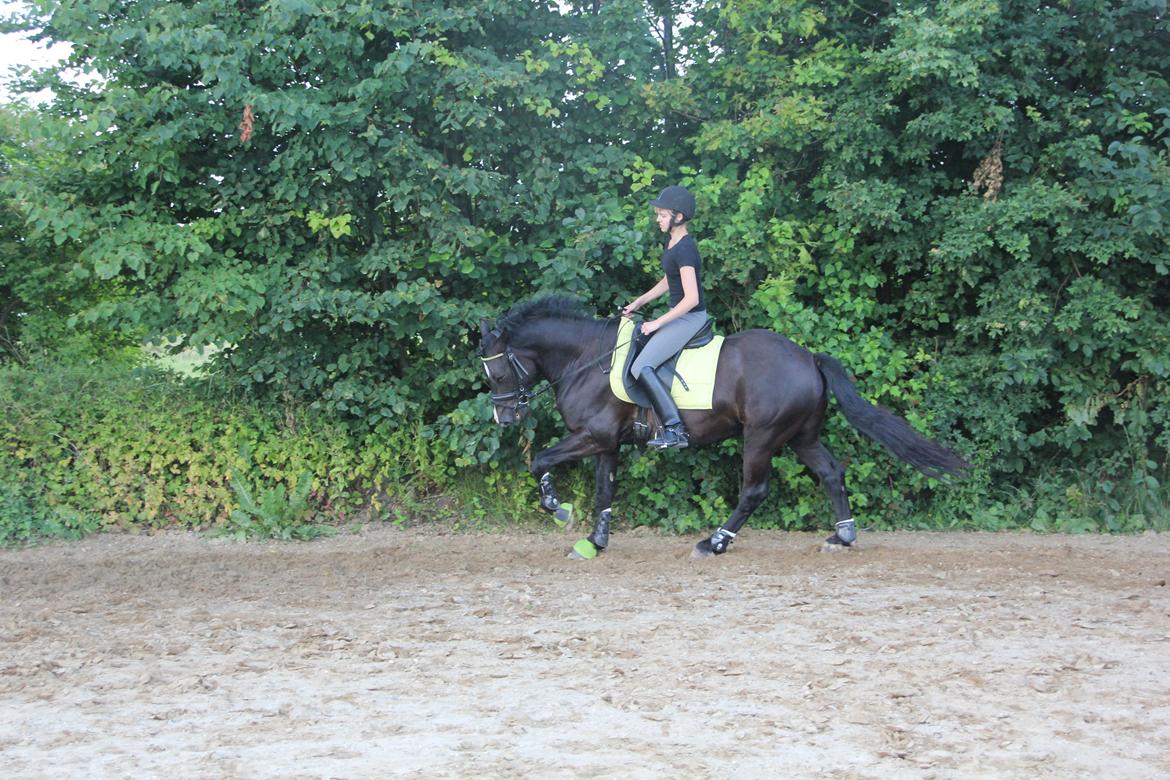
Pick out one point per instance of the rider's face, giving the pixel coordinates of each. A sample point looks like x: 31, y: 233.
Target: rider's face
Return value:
x: 663, y: 218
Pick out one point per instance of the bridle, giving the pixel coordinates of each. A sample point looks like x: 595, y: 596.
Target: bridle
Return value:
x: 523, y: 393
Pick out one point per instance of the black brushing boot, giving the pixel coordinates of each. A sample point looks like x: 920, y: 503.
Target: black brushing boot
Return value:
x: 674, y: 433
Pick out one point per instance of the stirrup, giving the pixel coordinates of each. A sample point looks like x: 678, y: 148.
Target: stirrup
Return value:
x: 672, y: 436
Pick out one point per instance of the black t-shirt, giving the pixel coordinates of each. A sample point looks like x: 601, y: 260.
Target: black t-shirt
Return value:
x: 685, y: 252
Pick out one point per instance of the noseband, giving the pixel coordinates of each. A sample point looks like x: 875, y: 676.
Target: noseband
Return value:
x: 522, y: 394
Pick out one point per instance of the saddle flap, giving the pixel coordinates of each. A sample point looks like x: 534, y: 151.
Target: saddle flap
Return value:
x: 701, y: 355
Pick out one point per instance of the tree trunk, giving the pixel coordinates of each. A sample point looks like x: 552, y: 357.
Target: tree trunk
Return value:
x: 668, y: 39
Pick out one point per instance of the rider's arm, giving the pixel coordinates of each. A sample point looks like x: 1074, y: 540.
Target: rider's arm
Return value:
x: 657, y: 291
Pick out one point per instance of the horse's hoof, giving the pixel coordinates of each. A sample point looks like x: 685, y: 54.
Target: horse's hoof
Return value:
x: 703, y: 550
x: 584, y: 550
x: 835, y: 544
x: 846, y: 532
x: 563, y: 516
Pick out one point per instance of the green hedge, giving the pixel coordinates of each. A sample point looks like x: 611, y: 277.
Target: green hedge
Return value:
x: 89, y: 448
x: 96, y: 447
x: 967, y: 203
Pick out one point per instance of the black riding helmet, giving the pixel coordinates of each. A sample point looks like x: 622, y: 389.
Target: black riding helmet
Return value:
x: 676, y: 199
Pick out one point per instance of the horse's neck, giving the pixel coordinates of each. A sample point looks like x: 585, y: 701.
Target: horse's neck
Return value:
x: 559, y: 344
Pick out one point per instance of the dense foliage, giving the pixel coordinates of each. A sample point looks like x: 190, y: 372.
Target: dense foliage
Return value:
x: 966, y: 202
x: 146, y: 451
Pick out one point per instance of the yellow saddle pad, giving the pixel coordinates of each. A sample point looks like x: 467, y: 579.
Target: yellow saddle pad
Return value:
x: 695, y: 366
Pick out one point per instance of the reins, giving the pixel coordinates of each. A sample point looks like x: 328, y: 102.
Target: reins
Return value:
x: 598, y: 362
x: 524, y: 395
x: 595, y: 362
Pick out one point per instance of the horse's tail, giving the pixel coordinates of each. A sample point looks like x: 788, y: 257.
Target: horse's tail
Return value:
x: 887, y: 428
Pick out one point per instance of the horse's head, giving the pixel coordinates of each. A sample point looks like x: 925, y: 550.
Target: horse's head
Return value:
x: 509, y: 378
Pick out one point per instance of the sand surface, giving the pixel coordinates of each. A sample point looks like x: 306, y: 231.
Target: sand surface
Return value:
x: 426, y: 653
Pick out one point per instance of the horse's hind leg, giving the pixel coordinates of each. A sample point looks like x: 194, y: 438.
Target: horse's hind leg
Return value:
x: 832, y: 476
x: 757, y: 469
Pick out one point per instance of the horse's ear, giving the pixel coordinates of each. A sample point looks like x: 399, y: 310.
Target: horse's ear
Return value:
x: 485, y: 329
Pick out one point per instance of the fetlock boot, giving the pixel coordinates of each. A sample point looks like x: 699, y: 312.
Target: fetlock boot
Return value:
x: 674, y: 433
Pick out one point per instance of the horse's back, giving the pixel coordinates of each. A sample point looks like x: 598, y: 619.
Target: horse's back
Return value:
x: 763, y: 373
x: 766, y: 350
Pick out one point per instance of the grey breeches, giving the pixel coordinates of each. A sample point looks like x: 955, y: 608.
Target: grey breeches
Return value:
x: 668, y: 340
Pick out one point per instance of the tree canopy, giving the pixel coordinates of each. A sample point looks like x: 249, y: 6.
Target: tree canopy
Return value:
x: 967, y: 202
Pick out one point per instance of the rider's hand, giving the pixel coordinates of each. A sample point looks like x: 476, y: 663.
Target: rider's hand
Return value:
x: 650, y: 327
x: 629, y: 309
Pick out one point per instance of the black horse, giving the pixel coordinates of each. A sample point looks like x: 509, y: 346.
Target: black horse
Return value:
x: 768, y: 390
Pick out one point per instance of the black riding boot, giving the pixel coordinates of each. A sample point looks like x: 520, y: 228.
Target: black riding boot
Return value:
x: 674, y: 434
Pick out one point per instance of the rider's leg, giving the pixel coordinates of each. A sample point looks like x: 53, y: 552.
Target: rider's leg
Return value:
x: 663, y: 345
x: 674, y: 433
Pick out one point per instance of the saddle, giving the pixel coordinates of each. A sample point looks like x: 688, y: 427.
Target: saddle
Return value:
x: 690, y: 374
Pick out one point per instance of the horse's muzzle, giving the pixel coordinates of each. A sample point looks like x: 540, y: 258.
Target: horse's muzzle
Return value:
x: 507, y: 416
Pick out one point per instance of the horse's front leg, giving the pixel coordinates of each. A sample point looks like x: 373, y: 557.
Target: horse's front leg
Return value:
x: 597, y: 541
x: 573, y: 447
x: 606, y: 487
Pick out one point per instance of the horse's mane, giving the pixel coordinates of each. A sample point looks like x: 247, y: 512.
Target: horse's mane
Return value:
x: 560, y: 307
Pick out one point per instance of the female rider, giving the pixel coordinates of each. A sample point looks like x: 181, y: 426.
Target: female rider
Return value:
x: 682, y: 278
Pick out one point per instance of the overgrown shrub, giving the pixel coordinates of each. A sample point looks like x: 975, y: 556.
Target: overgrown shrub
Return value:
x: 97, y: 447
x: 85, y: 448
x: 967, y: 203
